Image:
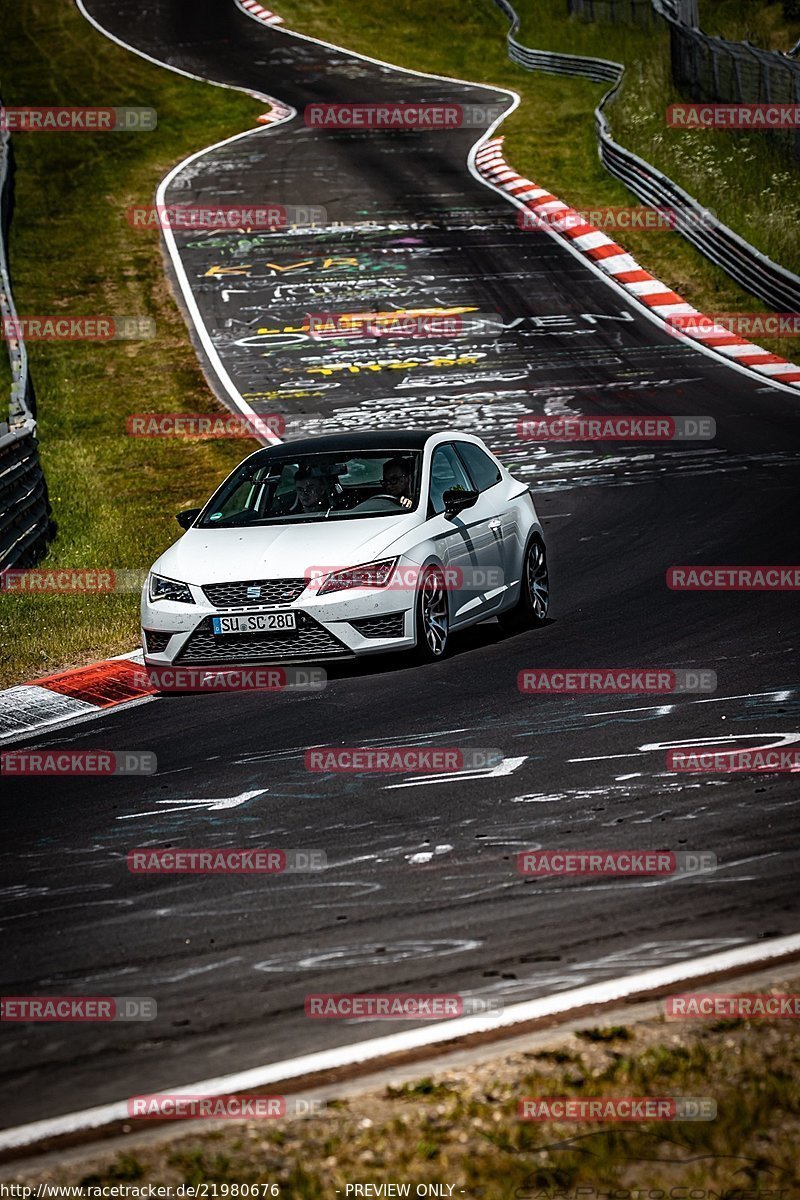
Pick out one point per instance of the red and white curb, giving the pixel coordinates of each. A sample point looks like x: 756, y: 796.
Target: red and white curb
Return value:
x: 611, y: 258
x: 71, y: 694
x: 251, y: 8
x: 255, y: 10
x: 278, y: 112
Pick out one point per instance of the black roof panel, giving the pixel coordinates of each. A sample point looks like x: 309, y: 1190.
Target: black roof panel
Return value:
x: 334, y: 443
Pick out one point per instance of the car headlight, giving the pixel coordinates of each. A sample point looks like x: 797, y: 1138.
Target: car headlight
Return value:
x: 367, y: 575
x: 159, y: 588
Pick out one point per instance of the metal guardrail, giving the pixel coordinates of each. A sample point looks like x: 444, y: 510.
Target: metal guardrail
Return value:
x: 598, y: 69
x: 25, y: 518
x: 773, y: 284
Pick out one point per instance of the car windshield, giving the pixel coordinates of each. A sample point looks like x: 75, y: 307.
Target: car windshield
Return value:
x: 295, y: 489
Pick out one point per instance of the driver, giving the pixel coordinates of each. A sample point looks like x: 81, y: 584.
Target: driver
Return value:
x: 396, y: 481
x: 314, y: 490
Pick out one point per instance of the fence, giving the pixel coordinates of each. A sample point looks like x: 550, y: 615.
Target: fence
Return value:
x: 708, y: 68
x: 643, y: 13
x: 25, y: 520
x: 639, y: 13
x: 753, y: 270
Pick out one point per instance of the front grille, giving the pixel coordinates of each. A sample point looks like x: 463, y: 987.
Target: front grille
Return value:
x: 388, y: 626
x: 272, y: 591
x: 310, y: 640
x: 155, y: 643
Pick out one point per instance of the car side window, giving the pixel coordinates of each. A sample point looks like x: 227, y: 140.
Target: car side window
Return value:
x: 484, y: 472
x: 446, y: 473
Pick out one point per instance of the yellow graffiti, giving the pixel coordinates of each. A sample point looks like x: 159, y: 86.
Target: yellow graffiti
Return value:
x: 242, y: 270
x: 328, y: 264
x: 296, y: 394
x: 298, y: 266
x: 396, y: 364
x: 265, y: 329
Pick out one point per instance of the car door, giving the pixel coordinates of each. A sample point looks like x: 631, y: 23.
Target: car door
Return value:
x: 487, y: 478
x: 469, y: 543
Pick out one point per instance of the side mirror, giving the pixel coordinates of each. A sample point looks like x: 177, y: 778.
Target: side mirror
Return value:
x: 187, y: 518
x: 455, y: 501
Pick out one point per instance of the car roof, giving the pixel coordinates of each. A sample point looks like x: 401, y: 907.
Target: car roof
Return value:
x: 335, y: 443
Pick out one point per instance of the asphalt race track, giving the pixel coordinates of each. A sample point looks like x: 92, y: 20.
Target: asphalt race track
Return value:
x: 421, y: 891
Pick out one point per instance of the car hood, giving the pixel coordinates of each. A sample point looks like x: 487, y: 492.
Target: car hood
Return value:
x: 280, y: 551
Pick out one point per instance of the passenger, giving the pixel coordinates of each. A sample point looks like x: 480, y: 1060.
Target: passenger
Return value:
x: 314, y: 491
x: 397, y: 481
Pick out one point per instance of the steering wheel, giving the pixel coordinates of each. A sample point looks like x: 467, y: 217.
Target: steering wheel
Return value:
x: 385, y: 496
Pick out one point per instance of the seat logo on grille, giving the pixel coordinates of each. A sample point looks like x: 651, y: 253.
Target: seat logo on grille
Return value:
x: 254, y: 593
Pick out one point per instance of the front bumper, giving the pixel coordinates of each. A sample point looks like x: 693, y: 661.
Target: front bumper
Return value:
x: 341, y: 625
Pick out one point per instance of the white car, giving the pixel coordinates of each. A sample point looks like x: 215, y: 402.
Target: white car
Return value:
x: 346, y: 545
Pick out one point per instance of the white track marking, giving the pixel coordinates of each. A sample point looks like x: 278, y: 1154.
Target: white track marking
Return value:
x: 373, y: 1050
x: 613, y: 712
x: 784, y: 739
x: 506, y: 767
x: 184, y: 805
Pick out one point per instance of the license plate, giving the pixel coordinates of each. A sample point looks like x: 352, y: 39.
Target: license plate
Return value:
x: 271, y: 622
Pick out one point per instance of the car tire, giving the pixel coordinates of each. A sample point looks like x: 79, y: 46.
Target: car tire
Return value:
x: 531, y: 608
x: 431, y: 617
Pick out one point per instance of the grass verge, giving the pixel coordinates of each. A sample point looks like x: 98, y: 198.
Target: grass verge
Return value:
x: 73, y: 253
x: 459, y: 1127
